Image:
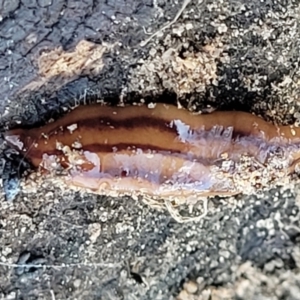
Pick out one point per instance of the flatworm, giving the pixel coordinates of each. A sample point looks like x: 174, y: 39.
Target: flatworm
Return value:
x: 162, y: 151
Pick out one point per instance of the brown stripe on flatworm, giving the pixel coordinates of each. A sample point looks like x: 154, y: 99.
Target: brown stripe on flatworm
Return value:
x: 111, y: 124
x: 166, y: 130
x: 105, y: 123
x: 104, y: 148
x: 243, y: 124
x: 197, y: 152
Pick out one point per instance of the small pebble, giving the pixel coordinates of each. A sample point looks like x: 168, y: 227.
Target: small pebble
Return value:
x: 191, y: 287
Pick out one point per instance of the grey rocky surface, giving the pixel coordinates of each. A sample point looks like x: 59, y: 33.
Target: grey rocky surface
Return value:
x: 224, y: 54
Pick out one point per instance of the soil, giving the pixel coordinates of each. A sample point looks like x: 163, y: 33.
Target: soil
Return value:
x: 57, y: 243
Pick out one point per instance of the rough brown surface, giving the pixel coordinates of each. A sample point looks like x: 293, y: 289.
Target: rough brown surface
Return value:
x: 233, y: 54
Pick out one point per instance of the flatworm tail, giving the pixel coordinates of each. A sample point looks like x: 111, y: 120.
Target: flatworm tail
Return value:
x: 164, y: 151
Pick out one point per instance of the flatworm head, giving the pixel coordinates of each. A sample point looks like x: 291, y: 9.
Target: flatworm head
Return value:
x: 163, y: 151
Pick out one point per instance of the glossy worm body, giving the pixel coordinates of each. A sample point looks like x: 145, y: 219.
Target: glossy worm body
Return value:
x: 163, y: 151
